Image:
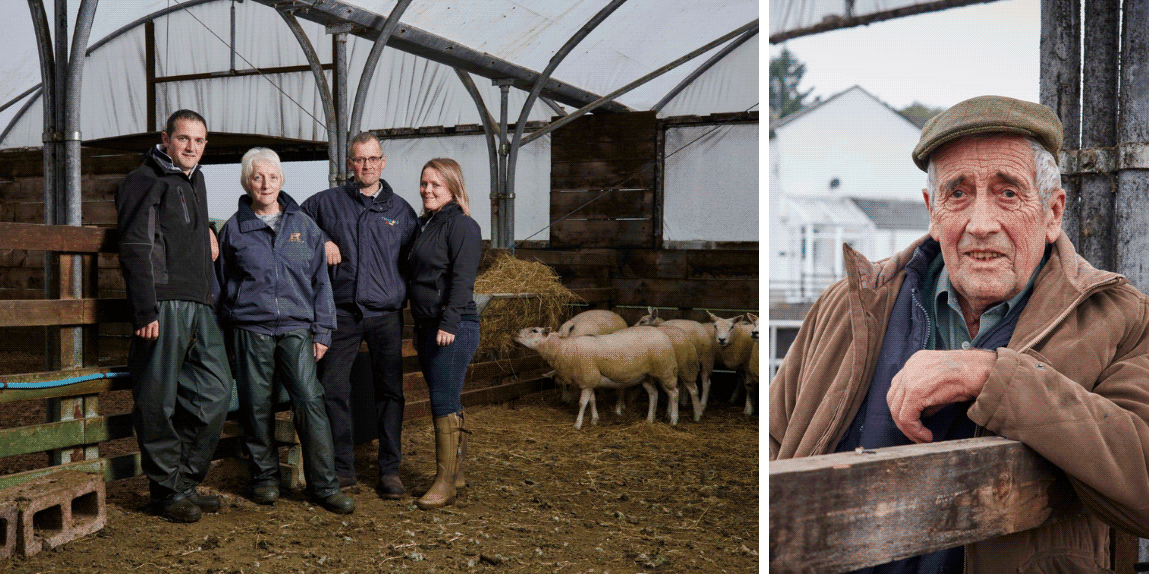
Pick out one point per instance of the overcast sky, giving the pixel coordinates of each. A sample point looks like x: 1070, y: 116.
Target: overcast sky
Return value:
x: 938, y: 59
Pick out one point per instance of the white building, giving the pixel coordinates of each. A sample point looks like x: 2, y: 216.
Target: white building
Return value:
x: 840, y: 172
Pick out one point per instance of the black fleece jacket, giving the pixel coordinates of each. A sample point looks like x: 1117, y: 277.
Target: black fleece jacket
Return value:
x: 444, y: 261
x: 165, y: 249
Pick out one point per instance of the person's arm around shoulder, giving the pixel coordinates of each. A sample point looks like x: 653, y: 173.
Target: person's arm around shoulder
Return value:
x: 311, y: 208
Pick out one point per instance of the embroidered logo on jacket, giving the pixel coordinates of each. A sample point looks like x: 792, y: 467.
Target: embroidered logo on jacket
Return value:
x: 388, y: 220
x: 295, y: 237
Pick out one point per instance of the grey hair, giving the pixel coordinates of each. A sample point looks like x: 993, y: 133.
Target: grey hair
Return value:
x: 258, y: 154
x: 1046, y: 174
x: 362, y: 138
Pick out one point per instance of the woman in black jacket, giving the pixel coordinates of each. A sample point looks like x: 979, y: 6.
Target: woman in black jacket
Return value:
x: 444, y: 261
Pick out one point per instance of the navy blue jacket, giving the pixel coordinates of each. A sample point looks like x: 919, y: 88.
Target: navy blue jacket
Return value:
x: 373, y: 236
x: 444, y: 262
x: 274, y: 282
x: 165, y: 251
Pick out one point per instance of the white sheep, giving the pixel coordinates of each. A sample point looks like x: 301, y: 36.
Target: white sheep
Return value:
x: 735, y: 344
x: 752, y: 365
x: 592, y: 322
x: 616, y: 360
x: 687, y: 359
x: 701, y: 336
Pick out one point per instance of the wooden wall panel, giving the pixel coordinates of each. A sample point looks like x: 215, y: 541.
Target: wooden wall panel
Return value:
x: 602, y: 232
x: 603, y: 203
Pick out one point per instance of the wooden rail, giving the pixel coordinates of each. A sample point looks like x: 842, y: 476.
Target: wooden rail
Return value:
x: 841, y: 512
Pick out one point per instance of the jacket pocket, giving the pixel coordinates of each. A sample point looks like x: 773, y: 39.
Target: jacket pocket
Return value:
x: 160, y: 260
x: 184, y: 205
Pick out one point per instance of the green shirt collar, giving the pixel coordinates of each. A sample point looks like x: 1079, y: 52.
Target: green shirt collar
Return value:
x: 947, y: 313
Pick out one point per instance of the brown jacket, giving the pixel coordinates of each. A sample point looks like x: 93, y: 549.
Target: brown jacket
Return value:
x: 1073, y: 380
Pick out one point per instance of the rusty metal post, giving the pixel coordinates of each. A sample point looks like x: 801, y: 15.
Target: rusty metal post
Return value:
x: 1060, y: 89
x: 1098, y: 131
x: 1133, y: 145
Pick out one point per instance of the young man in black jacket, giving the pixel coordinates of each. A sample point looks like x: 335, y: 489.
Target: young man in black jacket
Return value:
x: 177, y: 360
x: 370, y: 228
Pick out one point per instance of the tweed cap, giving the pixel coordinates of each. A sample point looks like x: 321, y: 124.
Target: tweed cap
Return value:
x: 985, y: 115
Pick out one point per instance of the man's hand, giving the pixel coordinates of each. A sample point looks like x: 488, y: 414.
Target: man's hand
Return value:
x: 214, y: 246
x: 150, y: 332
x: 931, y: 380
x: 332, y: 251
x: 320, y: 349
x: 444, y: 338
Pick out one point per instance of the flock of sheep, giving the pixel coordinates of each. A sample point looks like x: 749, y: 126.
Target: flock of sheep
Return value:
x: 596, y: 349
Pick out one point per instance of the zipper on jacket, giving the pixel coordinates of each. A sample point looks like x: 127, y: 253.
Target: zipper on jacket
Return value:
x: 929, y: 324
x: 184, y: 203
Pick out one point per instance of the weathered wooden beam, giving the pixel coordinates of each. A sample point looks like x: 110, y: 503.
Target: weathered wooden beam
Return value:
x: 64, y: 434
x: 39, y: 237
x: 45, y: 312
x: 840, y: 512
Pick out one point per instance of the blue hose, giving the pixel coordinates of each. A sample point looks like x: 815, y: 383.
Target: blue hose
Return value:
x: 63, y: 382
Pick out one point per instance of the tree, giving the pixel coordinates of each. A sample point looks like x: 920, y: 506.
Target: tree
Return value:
x: 919, y: 113
x: 786, y: 73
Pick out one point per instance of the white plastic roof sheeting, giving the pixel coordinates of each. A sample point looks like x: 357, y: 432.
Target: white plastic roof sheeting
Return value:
x: 407, y: 91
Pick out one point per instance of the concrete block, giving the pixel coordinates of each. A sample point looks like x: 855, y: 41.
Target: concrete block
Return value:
x: 9, y: 519
x: 56, y: 509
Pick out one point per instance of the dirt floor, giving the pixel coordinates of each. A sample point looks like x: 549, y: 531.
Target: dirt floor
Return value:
x: 621, y: 497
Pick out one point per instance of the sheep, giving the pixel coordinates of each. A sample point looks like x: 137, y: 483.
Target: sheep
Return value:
x: 616, y: 360
x: 592, y: 322
x: 687, y: 359
x: 752, y: 365
x: 703, y: 339
x: 735, y: 344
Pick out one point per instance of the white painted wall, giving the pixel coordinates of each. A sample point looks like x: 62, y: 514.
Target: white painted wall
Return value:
x: 854, y: 138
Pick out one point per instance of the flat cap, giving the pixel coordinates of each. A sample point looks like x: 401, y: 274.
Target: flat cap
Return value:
x: 986, y: 115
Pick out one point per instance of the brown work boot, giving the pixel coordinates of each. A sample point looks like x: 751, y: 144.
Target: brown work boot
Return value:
x: 391, y: 487
x: 442, y: 491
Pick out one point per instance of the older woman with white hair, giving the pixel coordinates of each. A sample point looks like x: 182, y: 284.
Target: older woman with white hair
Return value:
x: 276, y: 301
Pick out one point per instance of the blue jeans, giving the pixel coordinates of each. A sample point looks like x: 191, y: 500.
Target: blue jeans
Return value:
x: 444, y: 368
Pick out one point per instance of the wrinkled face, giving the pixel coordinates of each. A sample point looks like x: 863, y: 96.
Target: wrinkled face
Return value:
x: 988, y: 217
x: 185, y: 144
x: 433, y: 190
x: 263, y: 187
x: 367, y: 162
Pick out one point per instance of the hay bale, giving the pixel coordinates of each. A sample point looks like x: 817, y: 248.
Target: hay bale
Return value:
x: 505, y: 317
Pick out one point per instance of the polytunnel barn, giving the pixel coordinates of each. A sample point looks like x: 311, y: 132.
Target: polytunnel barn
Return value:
x: 615, y: 142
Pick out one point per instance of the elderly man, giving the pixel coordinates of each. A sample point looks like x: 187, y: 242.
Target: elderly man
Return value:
x: 992, y: 324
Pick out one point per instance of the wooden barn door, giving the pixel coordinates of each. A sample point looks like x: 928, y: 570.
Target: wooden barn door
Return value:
x: 603, y: 181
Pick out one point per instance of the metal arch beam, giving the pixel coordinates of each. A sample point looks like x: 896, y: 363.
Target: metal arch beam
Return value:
x: 127, y: 27
x: 489, y: 127
x: 372, y: 63
x: 594, y: 105
x: 20, y: 114
x: 554, y: 106
x: 367, y: 24
x: 324, y: 93
x: 703, y: 68
x: 507, y: 196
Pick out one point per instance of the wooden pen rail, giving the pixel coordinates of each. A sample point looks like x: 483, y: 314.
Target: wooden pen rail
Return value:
x: 840, y: 512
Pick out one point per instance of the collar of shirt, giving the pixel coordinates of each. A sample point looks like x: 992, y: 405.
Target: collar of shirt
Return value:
x: 951, y: 323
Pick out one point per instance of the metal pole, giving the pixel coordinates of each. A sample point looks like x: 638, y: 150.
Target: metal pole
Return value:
x: 1133, y: 128
x: 341, y: 114
x: 373, y: 62
x: 1096, y: 221
x: 232, y: 46
x: 333, y: 158
x: 702, y: 69
x: 488, y: 129
x: 60, y: 77
x: 499, y: 238
x: 1060, y: 89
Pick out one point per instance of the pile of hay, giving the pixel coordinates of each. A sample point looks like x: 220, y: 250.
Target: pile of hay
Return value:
x: 505, y: 317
